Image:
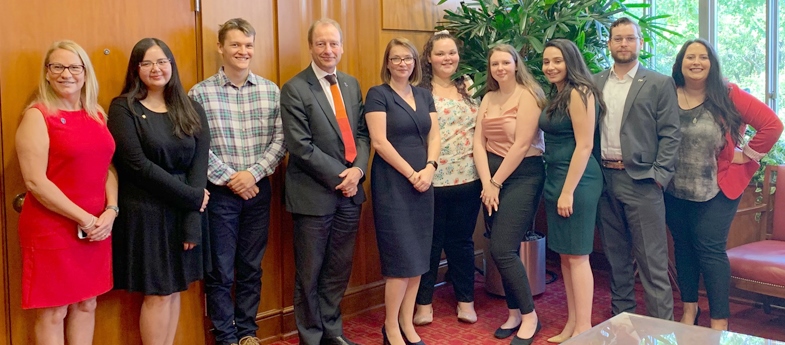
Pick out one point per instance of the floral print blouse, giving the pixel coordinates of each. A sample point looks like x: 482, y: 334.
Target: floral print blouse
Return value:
x: 456, y: 160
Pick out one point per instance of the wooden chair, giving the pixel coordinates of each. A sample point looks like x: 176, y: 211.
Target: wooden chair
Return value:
x: 760, y: 266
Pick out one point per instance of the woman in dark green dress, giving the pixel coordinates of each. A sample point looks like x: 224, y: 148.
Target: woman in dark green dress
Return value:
x: 573, y: 179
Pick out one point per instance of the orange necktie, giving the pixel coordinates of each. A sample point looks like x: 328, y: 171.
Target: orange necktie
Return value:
x: 343, y: 120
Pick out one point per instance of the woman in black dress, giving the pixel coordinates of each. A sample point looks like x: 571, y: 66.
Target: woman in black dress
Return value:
x: 405, y: 134
x: 161, y: 159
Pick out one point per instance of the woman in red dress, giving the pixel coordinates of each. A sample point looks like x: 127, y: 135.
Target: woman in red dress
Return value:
x: 65, y: 151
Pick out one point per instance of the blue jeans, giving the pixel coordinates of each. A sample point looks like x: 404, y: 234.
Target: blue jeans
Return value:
x: 238, y: 238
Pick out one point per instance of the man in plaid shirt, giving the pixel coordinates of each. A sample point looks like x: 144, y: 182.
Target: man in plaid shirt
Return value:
x: 247, y: 144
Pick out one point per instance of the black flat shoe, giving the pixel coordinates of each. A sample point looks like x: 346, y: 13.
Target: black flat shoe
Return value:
x: 520, y: 341
x: 502, y: 333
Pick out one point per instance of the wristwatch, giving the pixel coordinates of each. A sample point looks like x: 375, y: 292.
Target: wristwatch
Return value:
x: 113, y: 208
x: 435, y: 165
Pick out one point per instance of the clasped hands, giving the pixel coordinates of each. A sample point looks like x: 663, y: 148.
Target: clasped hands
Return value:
x: 243, y: 183
x: 102, y: 226
x: 490, y: 197
x: 351, y: 179
x: 421, y: 180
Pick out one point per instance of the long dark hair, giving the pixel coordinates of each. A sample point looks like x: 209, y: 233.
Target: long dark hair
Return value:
x: 578, y: 78
x: 427, y: 68
x: 179, y: 108
x: 718, y: 101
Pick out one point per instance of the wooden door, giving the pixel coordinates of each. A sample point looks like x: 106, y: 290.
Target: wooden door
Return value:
x: 107, y: 30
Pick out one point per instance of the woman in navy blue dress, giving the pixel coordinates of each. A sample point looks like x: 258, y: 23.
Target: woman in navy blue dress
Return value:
x: 405, y: 134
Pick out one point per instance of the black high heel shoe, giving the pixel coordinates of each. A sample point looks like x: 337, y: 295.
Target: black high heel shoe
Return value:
x: 385, y: 341
x: 520, y: 341
x: 406, y: 340
x: 697, y: 315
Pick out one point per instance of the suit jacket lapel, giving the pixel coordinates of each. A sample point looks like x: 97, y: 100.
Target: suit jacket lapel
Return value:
x: 635, y: 88
x: 602, y: 78
x: 321, y: 98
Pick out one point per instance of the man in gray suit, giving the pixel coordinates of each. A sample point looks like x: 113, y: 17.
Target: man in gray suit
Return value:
x: 327, y: 138
x: 639, y: 141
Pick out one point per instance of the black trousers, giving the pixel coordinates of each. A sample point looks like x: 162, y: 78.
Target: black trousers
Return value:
x: 455, y: 215
x: 238, y: 238
x: 323, y: 251
x: 700, y: 235
x: 518, y: 201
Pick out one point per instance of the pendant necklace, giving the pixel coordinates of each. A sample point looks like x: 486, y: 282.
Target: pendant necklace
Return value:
x: 689, y: 106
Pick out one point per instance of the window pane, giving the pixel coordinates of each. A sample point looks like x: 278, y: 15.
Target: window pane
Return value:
x: 684, y: 20
x: 742, y: 46
x: 631, y: 9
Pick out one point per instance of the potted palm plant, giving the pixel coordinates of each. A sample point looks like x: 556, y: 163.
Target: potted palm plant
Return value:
x: 528, y: 24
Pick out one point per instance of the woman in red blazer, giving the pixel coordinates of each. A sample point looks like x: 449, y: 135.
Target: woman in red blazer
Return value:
x: 713, y: 168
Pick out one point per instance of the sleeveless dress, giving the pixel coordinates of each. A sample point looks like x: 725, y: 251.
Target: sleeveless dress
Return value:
x: 403, y: 217
x: 573, y: 235
x: 58, y: 268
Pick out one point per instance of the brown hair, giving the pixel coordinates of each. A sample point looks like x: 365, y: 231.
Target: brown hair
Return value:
x: 236, y: 24
x: 416, y: 75
x: 427, y: 68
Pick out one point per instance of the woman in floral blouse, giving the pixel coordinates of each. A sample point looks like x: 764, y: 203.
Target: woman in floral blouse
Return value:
x: 456, y: 181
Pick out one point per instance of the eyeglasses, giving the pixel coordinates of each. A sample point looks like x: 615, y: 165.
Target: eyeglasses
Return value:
x: 57, y: 68
x: 397, y: 60
x: 628, y: 39
x: 161, y: 63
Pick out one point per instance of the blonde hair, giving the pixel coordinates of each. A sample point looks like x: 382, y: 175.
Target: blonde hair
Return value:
x: 320, y: 22
x: 89, y: 95
x: 522, y: 75
x: 416, y: 75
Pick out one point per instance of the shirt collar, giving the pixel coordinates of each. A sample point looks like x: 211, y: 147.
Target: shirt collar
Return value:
x: 631, y: 73
x: 251, y: 79
x: 320, y: 74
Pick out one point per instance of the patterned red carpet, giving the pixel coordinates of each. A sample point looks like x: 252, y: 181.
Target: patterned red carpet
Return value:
x: 551, y: 307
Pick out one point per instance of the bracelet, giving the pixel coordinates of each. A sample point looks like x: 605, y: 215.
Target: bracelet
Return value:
x: 89, y: 225
x: 410, y: 175
x: 496, y: 184
x: 113, y: 208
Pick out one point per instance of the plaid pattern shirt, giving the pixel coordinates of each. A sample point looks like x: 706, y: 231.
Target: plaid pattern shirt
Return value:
x: 245, y: 126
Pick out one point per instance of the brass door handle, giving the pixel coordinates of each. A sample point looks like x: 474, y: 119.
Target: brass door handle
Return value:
x: 19, y: 200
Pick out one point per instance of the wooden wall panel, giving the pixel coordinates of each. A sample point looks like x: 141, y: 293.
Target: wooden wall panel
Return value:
x: 107, y: 30
x: 414, y: 15
x: 261, y: 14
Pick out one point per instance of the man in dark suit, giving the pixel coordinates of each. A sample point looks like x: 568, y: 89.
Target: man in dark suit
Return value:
x: 328, y: 144
x: 639, y: 141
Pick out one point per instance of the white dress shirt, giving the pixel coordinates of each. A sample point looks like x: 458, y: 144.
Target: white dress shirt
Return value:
x: 615, y: 95
x: 321, y: 74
